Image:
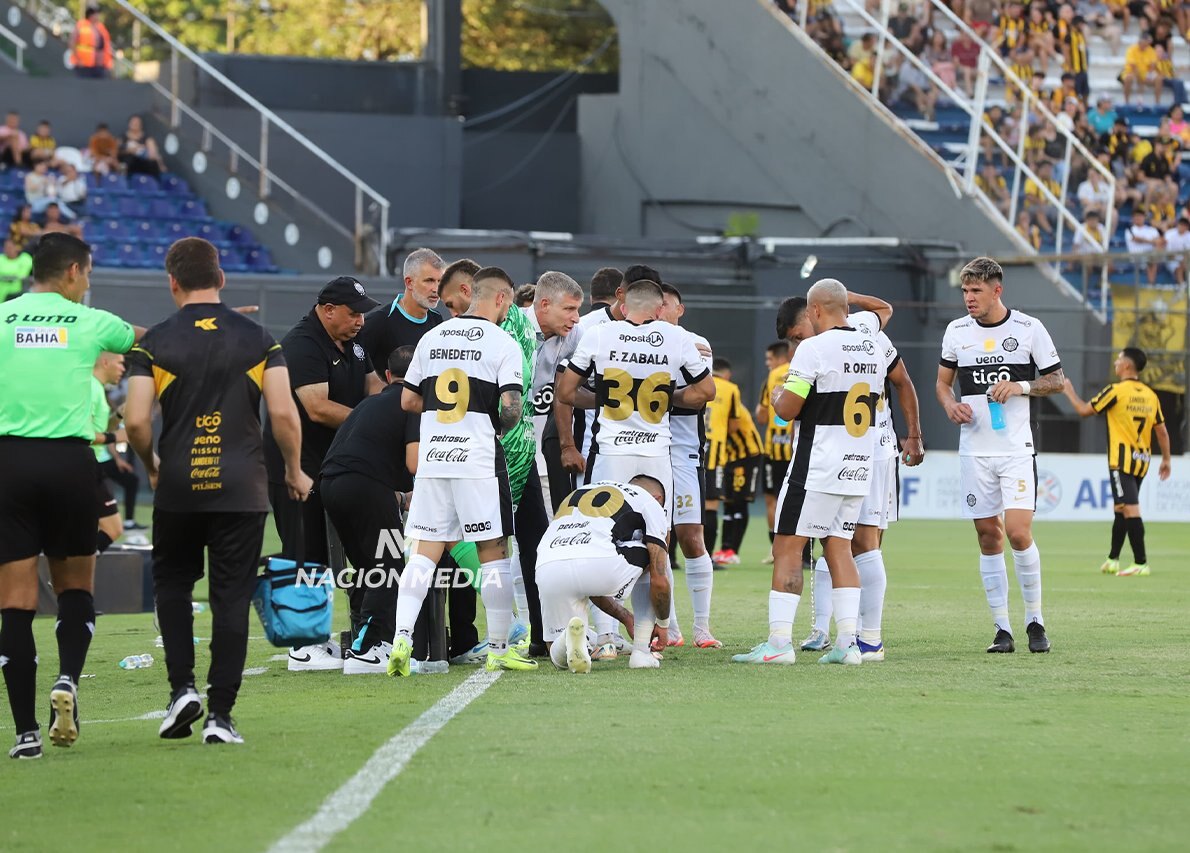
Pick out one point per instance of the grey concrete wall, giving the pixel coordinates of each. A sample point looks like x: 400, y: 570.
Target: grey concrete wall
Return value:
x: 45, y: 61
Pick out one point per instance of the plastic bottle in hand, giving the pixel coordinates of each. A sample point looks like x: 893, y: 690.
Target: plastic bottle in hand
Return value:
x: 996, y: 411
x: 136, y: 662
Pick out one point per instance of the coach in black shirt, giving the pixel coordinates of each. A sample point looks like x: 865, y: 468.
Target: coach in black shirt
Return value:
x: 329, y: 375
x: 367, y: 478
x: 404, y: 321
x: 208, y: 366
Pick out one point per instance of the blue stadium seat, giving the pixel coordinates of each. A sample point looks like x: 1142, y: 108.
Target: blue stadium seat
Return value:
x: 232, y: 260
x: 174, y: 185
x: 113, y: 183
x: 143, y: 184
x: 240, y: 235
x: 259, y: 260
x: 133, y: 207
x: 100, y: 205
x: 192, y: 209
x: 115, y: 230
x: 163, y: 208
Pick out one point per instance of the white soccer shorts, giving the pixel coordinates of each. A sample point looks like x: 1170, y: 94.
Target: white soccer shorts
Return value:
x: 879, y: 508
x: 450, y: 510
x: 621, y: 469
x: 816, y: 515
x: 988, y: 485
x: 566, y: 585
x: 689, y: 495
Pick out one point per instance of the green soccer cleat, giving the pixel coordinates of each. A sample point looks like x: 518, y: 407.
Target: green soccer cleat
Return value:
x: 510, y: 659
x: 1136, y: 570
x: 849, y: 656
x: 1110, y: 567
x: 398, y: 658
x: 767, y: 653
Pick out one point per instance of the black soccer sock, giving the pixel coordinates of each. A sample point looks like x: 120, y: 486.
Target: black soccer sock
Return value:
x: 18, y: 658
x: 808, y: 553
x: 772, y: 536
x: 175, y: 617
x: 1136, y: 538
x: 76, y: 627
x: 710, y: 531
x: 1119, y: 529
x: 103, y: 542
x: 728, y: 529
x: 742, y: 518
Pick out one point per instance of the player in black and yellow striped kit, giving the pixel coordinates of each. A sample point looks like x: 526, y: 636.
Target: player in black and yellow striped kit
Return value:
x: 722, y: 419
x: 778, y: 434
x: 741, y: 476
x: 1133, y: 417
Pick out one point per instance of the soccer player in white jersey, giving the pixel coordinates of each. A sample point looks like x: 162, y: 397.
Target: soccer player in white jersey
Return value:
x: 835, y: 380
x: 466, y: 383
x: 880, y: 505
x: 606, y: 539
x: 688, y: 431
x: 996, y: 354
x: 636, y: 364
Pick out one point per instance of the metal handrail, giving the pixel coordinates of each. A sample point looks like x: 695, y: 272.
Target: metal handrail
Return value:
x: 17, y: 42
x: 267, y: 118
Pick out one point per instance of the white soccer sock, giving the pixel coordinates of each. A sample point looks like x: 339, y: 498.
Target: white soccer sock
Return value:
x: 872, y: 583
x: 1028, y: 574
x: 995, y: 585
x: 518, y: 585
x: 416, y: 579
x: 782, y: 612
x: 643, y: 615
x: 846, y: 605
x: 675, y: 629
x: 497, y: 601
x: 558, y: 651
x: 823, y: 607
x: 699, y: 580
x: 602, y: 623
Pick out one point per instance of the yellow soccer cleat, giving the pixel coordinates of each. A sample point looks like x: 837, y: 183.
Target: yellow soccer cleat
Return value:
x: 1136, y: 570
x: 1110, y: 567
x: 398, y: 658
x: 510, y: 659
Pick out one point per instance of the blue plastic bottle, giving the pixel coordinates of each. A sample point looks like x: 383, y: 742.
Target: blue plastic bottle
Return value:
x: 996, y: 410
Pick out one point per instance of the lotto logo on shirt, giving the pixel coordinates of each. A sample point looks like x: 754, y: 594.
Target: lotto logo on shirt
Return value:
x: 34, y: 337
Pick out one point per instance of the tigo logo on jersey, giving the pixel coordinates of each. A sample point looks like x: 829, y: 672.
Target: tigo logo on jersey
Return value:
x: 33, y: 337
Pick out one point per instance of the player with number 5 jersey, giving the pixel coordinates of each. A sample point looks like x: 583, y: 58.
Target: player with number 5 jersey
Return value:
x: 466, y: 382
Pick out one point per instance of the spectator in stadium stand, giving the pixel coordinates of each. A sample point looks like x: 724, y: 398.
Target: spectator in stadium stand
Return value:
x: 14, y: 142
x: 91, y: 46
x: 1035, y: 201
x: 104, y: 149
x: 138, y: 151
x: 965, y: 53
x: 1099, y: 17
x: 1169, y: 77
x: 1140, y: 68
x: 329, y: 376
x: 15, y: 266
x: 23, y: 230
x: 1089, y: 241
x: 1178, y: 125
x: 994, y: 186
x: 48, y: 500
x: 1140, y: 238
x: 908, y: 29
x: 979, y: 14
x: 1026, y: 228
x: 42, y: 144
x: 1177, y: 239
x: 1103, y: 116
x: 55, y: 223
x: 1094, y: 194
x: 40, y: 188
x: 1156, y: 171
x: 72, y: 187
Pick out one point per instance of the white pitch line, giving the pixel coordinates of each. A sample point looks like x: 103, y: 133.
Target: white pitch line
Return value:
x: 345, y: 805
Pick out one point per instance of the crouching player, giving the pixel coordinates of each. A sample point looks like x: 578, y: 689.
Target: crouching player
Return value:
x: 606, y: 539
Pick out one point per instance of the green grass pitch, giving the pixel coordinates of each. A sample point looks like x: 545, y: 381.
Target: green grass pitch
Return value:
x: 940, y: 747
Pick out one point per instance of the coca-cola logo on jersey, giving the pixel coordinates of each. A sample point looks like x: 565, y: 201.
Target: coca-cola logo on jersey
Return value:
x: 855, y: 475
x: 443, y: 454
x: 572, y: 540
x: 653, y: 339
x: 472, y: 334
x: 632, y: 437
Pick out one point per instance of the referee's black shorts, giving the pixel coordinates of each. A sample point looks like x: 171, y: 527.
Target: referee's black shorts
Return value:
x: 105, y: 504
x: 47, y: 498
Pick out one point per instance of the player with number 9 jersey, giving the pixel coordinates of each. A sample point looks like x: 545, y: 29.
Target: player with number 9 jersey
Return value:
x: 460, y: 369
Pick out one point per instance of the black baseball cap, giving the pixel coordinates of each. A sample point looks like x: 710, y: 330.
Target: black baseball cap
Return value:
x: 345, y: 290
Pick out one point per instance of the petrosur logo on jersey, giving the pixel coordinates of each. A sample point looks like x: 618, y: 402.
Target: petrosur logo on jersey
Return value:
x: 1070, y: 487
x: 41, y: 337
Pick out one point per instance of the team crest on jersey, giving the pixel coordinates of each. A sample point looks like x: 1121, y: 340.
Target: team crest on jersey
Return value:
x: 970, y: 500
x: 358, y: 350
x: 1010, y: 344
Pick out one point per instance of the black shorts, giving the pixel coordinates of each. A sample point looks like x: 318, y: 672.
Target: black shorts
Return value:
x: 712, y: 484
x: 741, y: 480
x: 47, y: 498
x: 775, y: 471
x: 1125, y: 488
x: 106, y: 504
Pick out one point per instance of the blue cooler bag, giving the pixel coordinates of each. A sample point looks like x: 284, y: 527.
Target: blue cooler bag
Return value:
x: 295, y: 606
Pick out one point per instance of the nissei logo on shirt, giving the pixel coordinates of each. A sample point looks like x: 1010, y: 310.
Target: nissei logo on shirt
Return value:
x: 35, y: 337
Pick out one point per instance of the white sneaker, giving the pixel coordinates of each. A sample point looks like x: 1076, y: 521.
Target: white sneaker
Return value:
x: 319, y: 658
x: 643, y: 660
x: 477, y: 654
x: 578, y: 659
x: 620, y: 643
x: 365, y: 663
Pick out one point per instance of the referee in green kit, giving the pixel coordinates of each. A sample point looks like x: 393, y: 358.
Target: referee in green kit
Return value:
x: 48, y: 346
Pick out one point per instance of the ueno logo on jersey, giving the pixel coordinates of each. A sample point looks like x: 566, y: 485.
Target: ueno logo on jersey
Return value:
x: 653, y: 339
x: 990, y: 377
x: 989, y: 359
x: 472, y: 334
